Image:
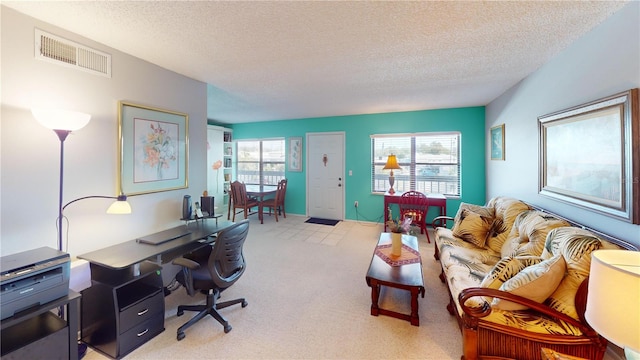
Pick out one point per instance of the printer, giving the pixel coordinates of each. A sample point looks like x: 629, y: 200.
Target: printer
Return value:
x: 32, y: 278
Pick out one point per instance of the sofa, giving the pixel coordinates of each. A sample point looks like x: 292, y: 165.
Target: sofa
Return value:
x: 516, y: 279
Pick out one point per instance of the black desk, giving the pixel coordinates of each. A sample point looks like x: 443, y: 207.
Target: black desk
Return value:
x: 131, y: 253
x: 124, y: 307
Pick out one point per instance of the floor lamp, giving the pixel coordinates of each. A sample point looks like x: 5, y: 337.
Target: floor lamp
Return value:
x: 62, y: 122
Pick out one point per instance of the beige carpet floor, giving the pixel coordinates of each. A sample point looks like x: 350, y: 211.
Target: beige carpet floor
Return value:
x: 305, y: 285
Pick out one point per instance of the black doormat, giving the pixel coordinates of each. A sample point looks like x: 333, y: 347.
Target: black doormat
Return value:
x: 322, y: 221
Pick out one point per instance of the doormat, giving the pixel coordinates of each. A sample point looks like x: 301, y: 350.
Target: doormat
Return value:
x: 322, y: 221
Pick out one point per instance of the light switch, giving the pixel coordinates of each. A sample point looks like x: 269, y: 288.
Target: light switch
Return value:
x: 350, y: 172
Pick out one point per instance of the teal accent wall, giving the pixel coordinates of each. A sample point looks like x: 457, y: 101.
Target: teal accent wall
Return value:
x: 470, y: 122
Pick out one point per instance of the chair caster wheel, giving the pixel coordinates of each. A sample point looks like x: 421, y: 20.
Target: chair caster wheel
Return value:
x: 227, y: 328
x: 245, y: 303
x: 180, y: 313
x: 180, y: 336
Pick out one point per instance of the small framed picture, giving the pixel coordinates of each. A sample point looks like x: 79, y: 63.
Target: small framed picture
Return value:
x: 295, y: 153
x: 497, y: 142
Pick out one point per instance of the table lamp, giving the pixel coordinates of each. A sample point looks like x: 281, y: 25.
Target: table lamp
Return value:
x: 613, y: 300
x: 392, y: 164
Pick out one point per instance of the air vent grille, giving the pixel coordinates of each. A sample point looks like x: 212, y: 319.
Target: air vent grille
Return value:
x: 58, y: 50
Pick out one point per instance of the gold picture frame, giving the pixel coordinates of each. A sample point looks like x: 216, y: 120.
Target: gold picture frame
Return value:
x: 153, y: 149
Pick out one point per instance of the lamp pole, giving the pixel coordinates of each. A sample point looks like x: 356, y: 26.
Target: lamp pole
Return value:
x: 62, y: 135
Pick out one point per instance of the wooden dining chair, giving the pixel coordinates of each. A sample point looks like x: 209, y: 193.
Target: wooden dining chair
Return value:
x: 240, y: 201
x: 415, y: 205
x: 277, y: 203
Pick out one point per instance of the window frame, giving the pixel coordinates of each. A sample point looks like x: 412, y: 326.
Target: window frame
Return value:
x: 261, y: 163
x: 410, y: 165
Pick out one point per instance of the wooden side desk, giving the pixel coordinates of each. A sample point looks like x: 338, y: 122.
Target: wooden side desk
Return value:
x: 437, y: 200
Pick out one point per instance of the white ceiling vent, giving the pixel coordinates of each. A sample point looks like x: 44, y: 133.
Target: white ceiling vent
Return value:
x: 61, y: 51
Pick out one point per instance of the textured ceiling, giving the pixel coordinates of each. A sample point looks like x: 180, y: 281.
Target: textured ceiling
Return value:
x: 271, y: 60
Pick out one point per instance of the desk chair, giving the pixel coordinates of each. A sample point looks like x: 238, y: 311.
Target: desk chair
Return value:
x: 277, y: 203
x: 415, y: 204
x: 240, y: 200
x: 213, y: 269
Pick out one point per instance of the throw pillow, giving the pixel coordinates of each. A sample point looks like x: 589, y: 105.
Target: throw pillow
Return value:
x: 536, y: 282
x: 472, y: 227
x: 575, y: 245
x: 506, y: 269
x: 529, y: 233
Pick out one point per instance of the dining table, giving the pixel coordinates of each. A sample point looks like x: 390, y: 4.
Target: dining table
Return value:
x: 259, y: 192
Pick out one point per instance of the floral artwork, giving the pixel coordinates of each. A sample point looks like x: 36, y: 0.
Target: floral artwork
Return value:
x: 156, y: 150
x: 153, y: 149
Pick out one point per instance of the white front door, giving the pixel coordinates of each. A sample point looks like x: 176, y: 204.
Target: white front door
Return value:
x: 325, y: 175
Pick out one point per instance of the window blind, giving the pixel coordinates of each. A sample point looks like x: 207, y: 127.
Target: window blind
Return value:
x: 430, y: 162
x: 260, y: 162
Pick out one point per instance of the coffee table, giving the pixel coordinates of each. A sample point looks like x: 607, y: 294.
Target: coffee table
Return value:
x: 406, y: 277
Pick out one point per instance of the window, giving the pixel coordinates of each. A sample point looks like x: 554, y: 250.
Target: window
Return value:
x: 430, y: 162
x: 260, y: 162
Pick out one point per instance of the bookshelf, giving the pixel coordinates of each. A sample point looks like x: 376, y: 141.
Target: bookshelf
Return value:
x: 220, y: 147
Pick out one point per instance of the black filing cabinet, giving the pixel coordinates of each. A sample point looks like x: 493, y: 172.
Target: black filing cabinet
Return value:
x: 122, y: 309
x: 41, y: 332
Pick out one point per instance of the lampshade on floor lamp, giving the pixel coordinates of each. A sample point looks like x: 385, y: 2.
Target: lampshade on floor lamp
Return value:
x: 62, y: 122
x: 613, y: 300
x: 392, y: 164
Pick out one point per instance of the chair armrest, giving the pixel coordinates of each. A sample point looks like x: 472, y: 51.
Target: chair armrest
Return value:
x: 485, y: 309
x: 186, y: 263
x: 441, y: 221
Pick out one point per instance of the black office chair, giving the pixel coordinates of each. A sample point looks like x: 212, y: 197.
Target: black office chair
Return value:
x: 213, y: 269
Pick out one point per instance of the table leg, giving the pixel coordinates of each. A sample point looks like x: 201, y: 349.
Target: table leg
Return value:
x: 260, y: 211
x: 375, y: 295
x: 386, y: 213
x: 415, y: 320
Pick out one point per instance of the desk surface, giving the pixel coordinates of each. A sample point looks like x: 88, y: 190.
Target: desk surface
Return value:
x: 131, y: 252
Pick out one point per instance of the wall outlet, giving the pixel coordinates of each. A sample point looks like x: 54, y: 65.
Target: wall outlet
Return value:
x: 355, y: 204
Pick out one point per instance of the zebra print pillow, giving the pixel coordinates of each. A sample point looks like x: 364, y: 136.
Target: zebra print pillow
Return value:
x: 536, y: 282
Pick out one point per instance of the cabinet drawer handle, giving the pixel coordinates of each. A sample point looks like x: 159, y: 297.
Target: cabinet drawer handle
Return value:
x: 144, y: 332
x: 140, y: 313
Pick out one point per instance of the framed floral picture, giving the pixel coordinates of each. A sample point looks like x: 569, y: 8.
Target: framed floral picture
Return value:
x: 153, y: 151
x: 295, y: 153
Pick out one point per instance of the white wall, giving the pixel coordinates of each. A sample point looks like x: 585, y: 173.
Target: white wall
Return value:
x: 30, y: 152
x: 603, y: 62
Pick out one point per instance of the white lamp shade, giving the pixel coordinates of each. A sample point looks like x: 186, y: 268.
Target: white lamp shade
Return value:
x: 119, y: 207
x: 57, y: 119
x: 613, y: 301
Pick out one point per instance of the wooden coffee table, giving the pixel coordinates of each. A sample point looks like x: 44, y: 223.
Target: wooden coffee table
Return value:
x: 406, y: 277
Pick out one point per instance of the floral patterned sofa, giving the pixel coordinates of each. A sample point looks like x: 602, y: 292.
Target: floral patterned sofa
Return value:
x: 515, y: 276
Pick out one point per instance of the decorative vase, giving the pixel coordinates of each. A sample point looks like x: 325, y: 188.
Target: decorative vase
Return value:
x: 396, y: 244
